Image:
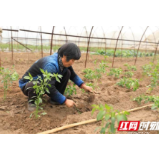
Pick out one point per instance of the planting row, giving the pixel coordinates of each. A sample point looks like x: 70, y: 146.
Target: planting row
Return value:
x: 124, y: 53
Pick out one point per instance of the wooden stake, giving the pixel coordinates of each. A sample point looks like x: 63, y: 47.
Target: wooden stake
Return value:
x: 86, y: 122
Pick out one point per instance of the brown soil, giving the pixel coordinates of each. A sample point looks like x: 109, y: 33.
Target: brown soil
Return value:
x: 15, y: 118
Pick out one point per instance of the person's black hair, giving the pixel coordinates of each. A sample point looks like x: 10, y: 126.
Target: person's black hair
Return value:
x: 70, y: 50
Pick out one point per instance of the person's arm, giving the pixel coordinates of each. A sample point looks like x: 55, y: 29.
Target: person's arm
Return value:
x: 86, y: 88
x: 75, y: 78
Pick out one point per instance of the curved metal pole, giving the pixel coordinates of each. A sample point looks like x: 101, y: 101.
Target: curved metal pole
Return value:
x: 146, y: 45
x: 88, y: 47
x: 79, y: 37
x: 66, y: 34
x: 134, y: 39
x: 17, y: 44
x: 112, y: 38
x: 157, y: 44
x: 122, y: 45
x: 94, y: 33
x: 41, y: 42
x: 82, y: 32
x: 105, y: 39
x: 156, y: 52
x: 76, y: 32
x: 52, y: 40
x: 37, y: 43
x: 116, y: 46
x: 76, y: 37
x: 146, y: 51
x: 26, y: 42
x: 140, y: 44
x: 9, y: 42
x: 12, y: 44
x: 153, y: 35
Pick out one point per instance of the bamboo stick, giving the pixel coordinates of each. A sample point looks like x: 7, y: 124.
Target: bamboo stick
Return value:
x: 86, y: 122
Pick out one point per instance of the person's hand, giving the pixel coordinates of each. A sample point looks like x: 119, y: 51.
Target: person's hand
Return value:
x: 69, y: 103
x: 87, y: 88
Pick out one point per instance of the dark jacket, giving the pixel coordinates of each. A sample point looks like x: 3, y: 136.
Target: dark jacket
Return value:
x: 50, y: 63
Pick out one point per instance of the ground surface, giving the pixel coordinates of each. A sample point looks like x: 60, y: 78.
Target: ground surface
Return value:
x: 15, y: 118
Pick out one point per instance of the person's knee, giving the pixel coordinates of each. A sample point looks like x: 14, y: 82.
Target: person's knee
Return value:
x: 29, y: 86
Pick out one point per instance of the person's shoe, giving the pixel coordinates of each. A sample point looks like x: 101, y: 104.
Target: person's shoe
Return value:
x: 54, y: 103
x: 31, y: 106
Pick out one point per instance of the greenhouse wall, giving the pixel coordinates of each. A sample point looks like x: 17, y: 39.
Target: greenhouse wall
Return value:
x: 130, y: 38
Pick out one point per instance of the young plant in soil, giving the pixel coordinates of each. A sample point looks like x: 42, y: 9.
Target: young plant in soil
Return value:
x: 98, y: 72
x: 129, y: 83
x: 41, y: 87
x: 108, y: 118
x: 102, y: 67
x: 156, y: 103
x: 89, y: 74
x: 7, y: 77
x: 70, y: 90
x: 139, y: 99
x: 147, y: 99
x: 128, y: 74
x: 130, y: 68
x: 115, y: 72
x: 147, y: 69
x: 154, y: 74
x: 95, y: 74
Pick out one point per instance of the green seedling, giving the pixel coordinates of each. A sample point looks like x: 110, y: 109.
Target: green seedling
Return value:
x: 129, y: 83
x: 130, y: 68
x: 7, y: 77
x: 156, y: 103
x: 108, y: 118
x: 89, y: 74
x: 154, y: 74
x: 147, y: 99
x: 101, y: 52
x: 128, y: 74
x: 102, y: 67
x: 147, y: 69
x: 139, y: 99
x: 115, y: 72
x: 70, y: 90
x: 41, y: 86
